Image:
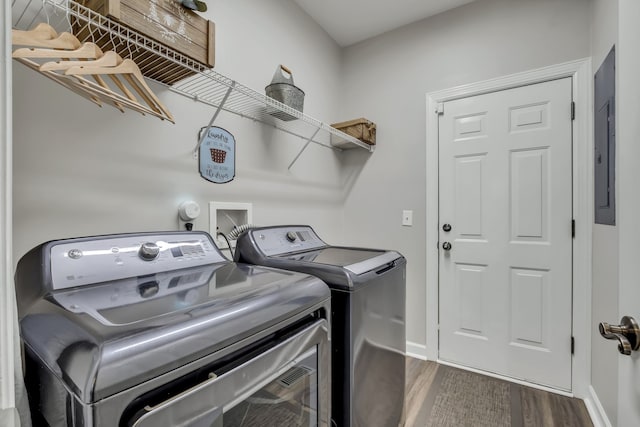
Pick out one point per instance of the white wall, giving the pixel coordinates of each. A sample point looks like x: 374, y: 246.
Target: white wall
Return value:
x: 386, y: 81
x: 83, y: 170
x: 604, y: 357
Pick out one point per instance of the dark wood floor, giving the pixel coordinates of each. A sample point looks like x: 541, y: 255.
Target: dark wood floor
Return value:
x: 439, y: 396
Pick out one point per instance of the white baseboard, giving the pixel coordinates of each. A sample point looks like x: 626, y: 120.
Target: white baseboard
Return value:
x: 418, y: 351
x: 596, y: 411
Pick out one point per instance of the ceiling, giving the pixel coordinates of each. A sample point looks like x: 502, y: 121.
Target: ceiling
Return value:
x: 352, y: 21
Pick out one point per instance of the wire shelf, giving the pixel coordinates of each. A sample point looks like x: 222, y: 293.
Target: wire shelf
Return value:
x: 188, y: 77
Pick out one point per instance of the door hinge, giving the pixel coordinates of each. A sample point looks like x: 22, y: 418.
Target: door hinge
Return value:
x: 573, y: 228
x: 440, y: 109
x: 573, y: 110
x: 573, y: 345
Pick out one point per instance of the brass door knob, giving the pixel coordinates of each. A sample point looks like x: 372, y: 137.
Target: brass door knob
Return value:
x: 627, y: 333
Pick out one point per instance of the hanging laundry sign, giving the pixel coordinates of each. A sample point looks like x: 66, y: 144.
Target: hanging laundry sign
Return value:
x: 217, y: 155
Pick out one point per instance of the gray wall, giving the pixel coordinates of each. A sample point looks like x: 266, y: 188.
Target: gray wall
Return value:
x: 386, y: 80
x: 83, y: 170
x: 604, y: 357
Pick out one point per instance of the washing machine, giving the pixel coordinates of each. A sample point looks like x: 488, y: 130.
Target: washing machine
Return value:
x: 160, y: 329
x: 367, y: 315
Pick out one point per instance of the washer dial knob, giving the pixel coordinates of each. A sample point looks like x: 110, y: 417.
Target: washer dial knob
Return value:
x: 291, y: 236
x: 149, y: 251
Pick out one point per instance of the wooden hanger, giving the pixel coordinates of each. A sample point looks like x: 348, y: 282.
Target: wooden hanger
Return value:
x: 113, y: 72
x: 45, y: 43
x: 135, y: 78
x: 61, y: 80
x: 123, y: 88
x: 130, y: 71
x: 134, y: 105
x: 100, y: 81
x: 27, y: 38
x: 108, y: 59
x: 85, y: 51
x: 99, y: 93
x: 95, y: 93
x: 41, y: 31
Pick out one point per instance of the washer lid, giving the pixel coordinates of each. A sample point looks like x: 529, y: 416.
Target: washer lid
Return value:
x: 356, y: 260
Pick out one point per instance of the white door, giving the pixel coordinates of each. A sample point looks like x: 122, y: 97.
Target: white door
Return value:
x: 628, y: 129
x: 505, y: 189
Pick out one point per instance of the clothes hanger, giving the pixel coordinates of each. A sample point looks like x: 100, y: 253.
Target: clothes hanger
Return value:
x: 98, y: 93
x: 104, y: 84
x: 86, y: 51
x: 95, y: 93
x: 134, y: 105
x: 134, y: 76
x: 41, y: 31
x: 45, y: 43
x: 61, y: 80
x: 107, y: 59
x: 130, y: 71
x: 38, y: 35
x: 129, y: 101
x: 63, y: 41
x: 123, y: 87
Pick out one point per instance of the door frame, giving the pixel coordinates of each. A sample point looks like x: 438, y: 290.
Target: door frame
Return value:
x: 582, y: 175
x: 8, y: 318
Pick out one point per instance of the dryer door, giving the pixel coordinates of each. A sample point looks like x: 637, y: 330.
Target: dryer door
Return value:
x: 284, y: 385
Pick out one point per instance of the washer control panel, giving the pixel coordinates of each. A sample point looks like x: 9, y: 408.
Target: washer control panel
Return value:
x: 77, y: 262
x: 285, y: 239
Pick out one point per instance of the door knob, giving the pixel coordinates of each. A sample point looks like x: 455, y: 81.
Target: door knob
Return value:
x: 446, y: 227
x: 627, y: 333
x: 446, y: 246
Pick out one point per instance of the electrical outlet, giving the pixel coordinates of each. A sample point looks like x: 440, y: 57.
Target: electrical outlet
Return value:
x: 407, y: 218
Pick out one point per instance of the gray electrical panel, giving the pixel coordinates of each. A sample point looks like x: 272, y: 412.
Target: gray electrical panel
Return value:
x: 604, y: 141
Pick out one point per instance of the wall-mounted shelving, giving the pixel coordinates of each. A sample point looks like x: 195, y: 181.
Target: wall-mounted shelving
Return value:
x: 203, y: 85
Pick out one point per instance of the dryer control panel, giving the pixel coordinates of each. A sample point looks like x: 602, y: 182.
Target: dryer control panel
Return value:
x: 286, y: 239
x: 77, y: 262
